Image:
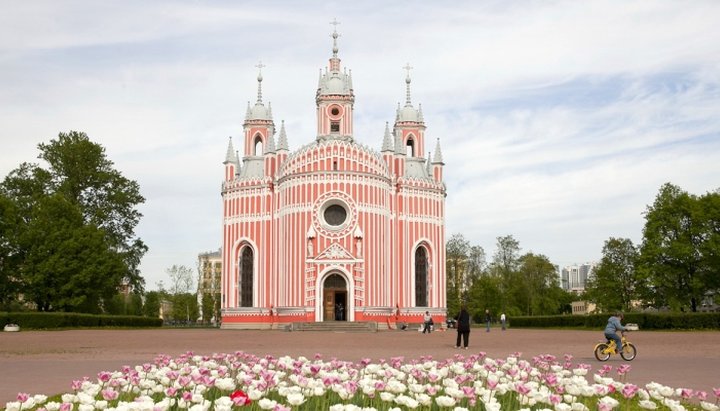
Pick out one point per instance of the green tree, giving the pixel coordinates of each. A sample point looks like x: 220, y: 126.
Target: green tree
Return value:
x: 680, y: 246
x: 185, y: 307
x: 151, y: 306
x: 9, y: 255
x: 536, y: 286
x: 505, y: 266
x: 615, y: 283
x: 457, y: 251
x: 74, y: 229
x: 484, y: 294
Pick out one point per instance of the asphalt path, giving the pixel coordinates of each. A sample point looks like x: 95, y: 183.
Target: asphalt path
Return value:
x: 46, y: 362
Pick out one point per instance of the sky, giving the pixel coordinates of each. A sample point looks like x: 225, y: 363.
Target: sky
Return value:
x: 558, y: 120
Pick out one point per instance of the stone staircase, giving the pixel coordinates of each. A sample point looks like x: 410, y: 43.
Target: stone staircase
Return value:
x: 335, y: 326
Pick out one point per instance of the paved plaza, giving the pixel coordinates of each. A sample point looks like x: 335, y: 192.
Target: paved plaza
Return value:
x: 46, y: 362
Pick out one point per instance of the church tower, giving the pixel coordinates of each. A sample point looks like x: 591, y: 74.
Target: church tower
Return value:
x: 335, y: 99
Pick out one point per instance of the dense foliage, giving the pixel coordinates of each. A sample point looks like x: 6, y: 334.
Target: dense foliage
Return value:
x: 38, y: 320
x: 512, y: 283
x: 67, y: 230
x: 644, y: 320
x: 677, y: 267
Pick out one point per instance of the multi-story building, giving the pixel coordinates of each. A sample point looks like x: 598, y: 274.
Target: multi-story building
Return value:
x: 209, y: 283
x: 335, y: 230
x: 575, y: 277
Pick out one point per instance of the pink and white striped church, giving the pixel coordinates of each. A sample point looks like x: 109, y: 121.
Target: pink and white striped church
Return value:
x: 335, y: 231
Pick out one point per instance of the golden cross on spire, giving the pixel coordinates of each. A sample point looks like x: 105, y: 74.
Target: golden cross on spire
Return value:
x: 260, y: 65
x: 335, y: 23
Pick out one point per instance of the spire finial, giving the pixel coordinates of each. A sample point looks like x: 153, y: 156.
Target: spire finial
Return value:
x: 407, y: 82
x: 335, y: 36
x: 260, y: 79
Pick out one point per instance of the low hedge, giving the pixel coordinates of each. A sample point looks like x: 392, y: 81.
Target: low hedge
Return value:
x: 646, y: 321
x: 31, y: 320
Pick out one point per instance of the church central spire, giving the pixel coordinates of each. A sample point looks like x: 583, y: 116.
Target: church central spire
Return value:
x: 407, y: 85
x: 260, y: 79
x: 335, y: 97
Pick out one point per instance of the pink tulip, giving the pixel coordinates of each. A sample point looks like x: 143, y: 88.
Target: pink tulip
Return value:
x: 468, y: 391
x: 551, y: 379
x: 104, y: 376
x: 623, y: 369
x: 522, y: 388
x: 66, y: 406
x: 22, y: 396
x: 76, y: 385
x: 701, y: 395
x: 629, y: 390
x: 109, y: 394
x: 716, y: 391
x: 686, y: 393
x: 555, y: 399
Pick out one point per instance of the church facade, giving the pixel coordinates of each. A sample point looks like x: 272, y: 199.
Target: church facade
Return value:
x: 334, y: 231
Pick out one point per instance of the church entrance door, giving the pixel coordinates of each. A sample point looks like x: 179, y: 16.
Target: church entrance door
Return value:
x: 335, y: 298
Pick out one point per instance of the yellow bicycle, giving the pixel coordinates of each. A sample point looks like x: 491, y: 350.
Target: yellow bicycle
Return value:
x: 604, y: 350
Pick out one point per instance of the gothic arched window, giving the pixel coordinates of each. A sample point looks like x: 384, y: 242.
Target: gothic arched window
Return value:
x: 258, y: 145
x: 421, y: 277
x: 410, y: 147
x: 246, y: 278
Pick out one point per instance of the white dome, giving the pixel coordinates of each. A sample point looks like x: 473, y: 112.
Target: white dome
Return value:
x: 259, y: 112
x: 408, y: 113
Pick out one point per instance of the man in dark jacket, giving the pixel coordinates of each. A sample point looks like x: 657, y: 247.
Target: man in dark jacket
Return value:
x: 463, y: 327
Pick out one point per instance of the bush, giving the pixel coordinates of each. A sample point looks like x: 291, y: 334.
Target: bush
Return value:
x: 646, y: 321
x: 43, y: 320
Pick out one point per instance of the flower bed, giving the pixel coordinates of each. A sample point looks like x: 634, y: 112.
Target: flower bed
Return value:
x: 240, y: 381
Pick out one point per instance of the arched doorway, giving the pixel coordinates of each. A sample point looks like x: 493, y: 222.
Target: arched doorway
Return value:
x: 335, y: 298
x: 421, y: 277
x: 246, y: 277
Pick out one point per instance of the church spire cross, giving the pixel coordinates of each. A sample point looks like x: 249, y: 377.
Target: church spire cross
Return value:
x: 335, y: 36
x: 260, y: 66
x: 407, y: 84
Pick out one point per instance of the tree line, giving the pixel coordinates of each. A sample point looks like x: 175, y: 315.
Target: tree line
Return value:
x: 68, y: 243
x: 677, y: 264
x: 511, y: 283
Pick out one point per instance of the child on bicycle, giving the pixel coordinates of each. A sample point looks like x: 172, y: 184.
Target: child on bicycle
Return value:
x: 613, y: 326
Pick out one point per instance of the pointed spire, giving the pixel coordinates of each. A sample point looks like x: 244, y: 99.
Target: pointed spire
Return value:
x: 428, y: 167
x: 438, y: 154
x: 237, y: 162
x: 421, y: 118
x: 248, y: 113
x: 282, y: 143
x: 320, y: 79
x: 407, y: 85
x: 399, y: 148
x: 350, y: 80
x: 270, y: 146
x: 260, y: 79
x: 269, y: 110
x: 230, y: 156
x: 397, y: 113
x: 387, y: 139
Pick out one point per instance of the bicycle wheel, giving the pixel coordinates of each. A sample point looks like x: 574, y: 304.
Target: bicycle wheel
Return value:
x: 628, y: 352
x: 601, y: 352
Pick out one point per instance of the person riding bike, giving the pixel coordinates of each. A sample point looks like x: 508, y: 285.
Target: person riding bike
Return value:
x: 613, y: 326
